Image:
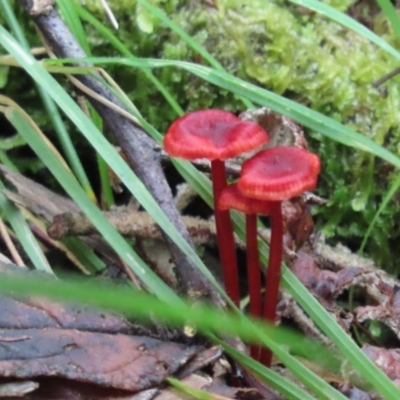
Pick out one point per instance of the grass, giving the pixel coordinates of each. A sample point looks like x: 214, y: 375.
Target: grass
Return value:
x: 70, y: 174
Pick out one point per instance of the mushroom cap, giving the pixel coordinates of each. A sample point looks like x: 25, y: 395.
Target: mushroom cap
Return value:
x: 213, y: 134
x: 231, y: 198
x: 279, y: 173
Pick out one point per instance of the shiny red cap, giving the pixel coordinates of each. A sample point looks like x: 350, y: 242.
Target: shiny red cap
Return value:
x: 213, y: 134
x: 279, y: 173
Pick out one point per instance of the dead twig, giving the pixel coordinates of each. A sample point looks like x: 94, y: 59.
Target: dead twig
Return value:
x: 386, y: 77
x: 129, y: 223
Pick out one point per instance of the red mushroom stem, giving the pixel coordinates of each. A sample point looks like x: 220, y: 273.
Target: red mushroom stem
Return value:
x: 253, y: 265
x: 273, y: 273
x: 231, y: 198
x: 253, y: 272
x: 226, y: 241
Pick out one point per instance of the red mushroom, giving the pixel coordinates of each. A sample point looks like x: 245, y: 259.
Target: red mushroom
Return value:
x: 216, y: 135
x: 277, y: 174
x: 231, y: 198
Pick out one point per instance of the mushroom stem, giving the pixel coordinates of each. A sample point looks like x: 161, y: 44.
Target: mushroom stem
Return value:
x: 253, y: 273
x: 273, y: 273
x: 226, y: 241
x: 253, y: 265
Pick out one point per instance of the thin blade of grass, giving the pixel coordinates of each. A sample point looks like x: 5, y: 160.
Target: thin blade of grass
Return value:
x: 344, y: 20
x: 299, y: 113
x: 84, y: 254
x: 69, y: 11
x: 391, y: 14
x: 206, y: 319
x: 269, y: 376
x: 24, y: 233
x: 71, y: 18
x: 118, y: 45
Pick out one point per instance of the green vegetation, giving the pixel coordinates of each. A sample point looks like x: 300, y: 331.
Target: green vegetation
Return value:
x: 232, y: 57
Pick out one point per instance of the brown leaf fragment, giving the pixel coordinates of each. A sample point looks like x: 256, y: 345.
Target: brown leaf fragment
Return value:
x: 322, y: 283
x: 202, y: 359
x: 119, y: 361
x: 145, y: 395
x: 354, y: 393
x: 70, y: 316
x: 297, y: 221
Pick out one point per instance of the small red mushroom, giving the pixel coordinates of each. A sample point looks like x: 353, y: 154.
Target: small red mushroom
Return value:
x: 274, y: 175
x: 231, y: 198
x: 216, y: 135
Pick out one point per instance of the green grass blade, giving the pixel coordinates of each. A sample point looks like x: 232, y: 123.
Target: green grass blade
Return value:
x: 299, y: 113
x: 24, y: 233
x: 276, y: 381
x: 68, y: 10
x: 391, y: 14
x: 118, y: 45
x: 84, y: 254
x: 71, y: 18
x: 4, y: 159
x: 394, y: 187
x: 343, y: 19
